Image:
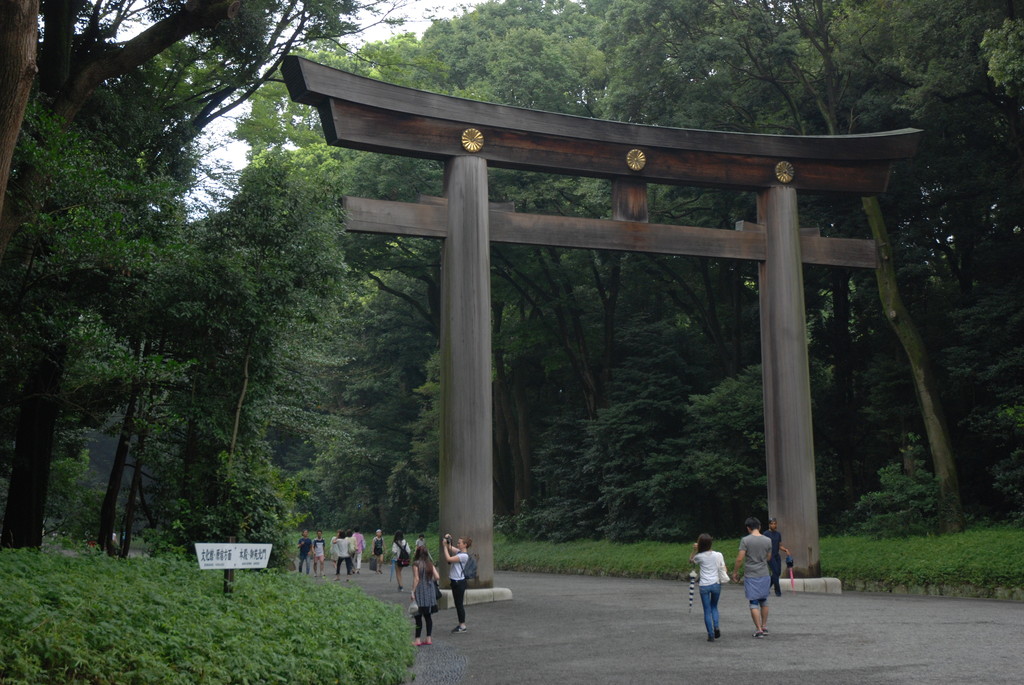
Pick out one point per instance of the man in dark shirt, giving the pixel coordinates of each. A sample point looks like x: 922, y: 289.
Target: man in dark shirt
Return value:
x: 775, y: 563
x: 305, y: 545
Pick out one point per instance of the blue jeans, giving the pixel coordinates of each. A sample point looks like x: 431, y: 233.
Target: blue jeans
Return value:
x: 709, y: 595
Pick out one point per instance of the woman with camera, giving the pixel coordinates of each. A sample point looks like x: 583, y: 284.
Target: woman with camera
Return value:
x: 457, y: 554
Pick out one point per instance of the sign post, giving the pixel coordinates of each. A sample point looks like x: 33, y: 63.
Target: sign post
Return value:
x: 231, y: 555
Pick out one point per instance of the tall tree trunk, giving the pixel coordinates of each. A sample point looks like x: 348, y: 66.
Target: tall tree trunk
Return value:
x: 241, y: 397
x: 523, y: 454
x: 943, y: 461
x: 504, y: 480
x: 33, y: 453
x: 18, y: 35
x: 108, y: 511
x: 514, y: 471
x: 129, y: 509
x: 847, y: 446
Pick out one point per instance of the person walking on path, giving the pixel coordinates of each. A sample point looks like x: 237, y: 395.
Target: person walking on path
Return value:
x: 319, y: 550
x: 350, y: 550
x: 775, y: 563
x: 339, y: 552
x: 357, y: 553
x: 458, y: 556
x: 305, y: 545
x: 378, y: 550
x: 709, y: 562
x: 401, y: 555
x: 755, y: 551
x: 424, y: 590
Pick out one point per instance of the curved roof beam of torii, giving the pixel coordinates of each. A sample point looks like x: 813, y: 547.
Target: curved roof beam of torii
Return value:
x: 365, y: 114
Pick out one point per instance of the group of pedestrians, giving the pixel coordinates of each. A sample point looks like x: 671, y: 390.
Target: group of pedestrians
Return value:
x: 346, y: 549
x: 760, y: 555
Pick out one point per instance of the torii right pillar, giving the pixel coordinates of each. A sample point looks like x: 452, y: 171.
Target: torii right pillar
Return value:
x: 789, y: 438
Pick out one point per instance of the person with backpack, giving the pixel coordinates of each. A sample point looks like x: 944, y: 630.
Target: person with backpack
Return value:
x: 463, y: 568
x: 378, y: 551
x: 400, y: 554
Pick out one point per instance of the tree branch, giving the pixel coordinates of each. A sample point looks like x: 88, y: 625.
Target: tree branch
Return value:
x: 196, y: 15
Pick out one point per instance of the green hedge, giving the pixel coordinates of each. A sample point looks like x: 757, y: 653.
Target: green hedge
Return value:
x: 92, y: 619
x: 984, y: 558
x: 978, y: 563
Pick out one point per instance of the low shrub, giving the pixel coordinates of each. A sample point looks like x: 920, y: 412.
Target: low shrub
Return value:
x: 92, y: 619
x: 978, y: 562
x: 983, y: 558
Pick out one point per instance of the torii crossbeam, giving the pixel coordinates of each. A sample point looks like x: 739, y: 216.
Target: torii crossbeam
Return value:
x: 469, y: 136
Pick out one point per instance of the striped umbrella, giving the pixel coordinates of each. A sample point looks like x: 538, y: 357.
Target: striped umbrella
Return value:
x: 693, y: 581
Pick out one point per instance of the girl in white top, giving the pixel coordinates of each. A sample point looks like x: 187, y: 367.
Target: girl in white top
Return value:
x: 457, y: 554
x: 397, y: 546
x: 710, y: 564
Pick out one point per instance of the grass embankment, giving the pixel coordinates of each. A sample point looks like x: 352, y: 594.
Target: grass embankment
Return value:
x: 978, y: 563
x: 91, y: 619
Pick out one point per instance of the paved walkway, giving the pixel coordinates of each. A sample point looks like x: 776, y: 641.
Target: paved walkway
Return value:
x: 580, y: 629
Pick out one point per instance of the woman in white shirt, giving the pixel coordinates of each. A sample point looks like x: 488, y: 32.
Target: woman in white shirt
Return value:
x: 339, y: 552
x: 457, y: 575
x: 712, y: 570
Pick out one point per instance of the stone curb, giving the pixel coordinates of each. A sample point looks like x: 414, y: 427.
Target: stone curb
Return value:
x: 829, y: 586
x: 475, y: 596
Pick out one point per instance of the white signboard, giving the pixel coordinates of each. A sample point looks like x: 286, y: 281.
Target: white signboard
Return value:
x: 228, y: 555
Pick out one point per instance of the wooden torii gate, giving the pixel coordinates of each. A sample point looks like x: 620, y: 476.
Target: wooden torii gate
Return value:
x: 469, y: 136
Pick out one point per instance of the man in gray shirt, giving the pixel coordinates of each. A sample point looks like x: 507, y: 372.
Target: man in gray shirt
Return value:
x: 755, y: 551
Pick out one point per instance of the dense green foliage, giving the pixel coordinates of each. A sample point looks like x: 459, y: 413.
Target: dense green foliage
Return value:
x: 978, y: 563
x: 627, y: 387
x: 91, y: 619
x: 235, y: 364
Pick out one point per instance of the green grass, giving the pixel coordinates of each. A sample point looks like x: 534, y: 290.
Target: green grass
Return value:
x: 978, y: 563
x: 92, y: 619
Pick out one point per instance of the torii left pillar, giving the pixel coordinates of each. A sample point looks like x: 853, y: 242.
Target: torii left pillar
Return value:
x: 789, y: 439
x: 466, y: 485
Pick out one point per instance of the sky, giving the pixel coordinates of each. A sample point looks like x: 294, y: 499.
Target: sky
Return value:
x: 418, y: 15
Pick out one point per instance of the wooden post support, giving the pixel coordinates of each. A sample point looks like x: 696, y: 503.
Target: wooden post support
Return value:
x: 629, y: 200
x: 229, y: 574
x: 789, y: 441
x: 466, y: 484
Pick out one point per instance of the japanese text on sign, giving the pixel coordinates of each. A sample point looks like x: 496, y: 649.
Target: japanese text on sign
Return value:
x: 228, y: 555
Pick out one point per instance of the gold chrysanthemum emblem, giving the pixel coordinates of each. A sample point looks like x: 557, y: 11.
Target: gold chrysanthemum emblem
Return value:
x: 472, y: 140
x: 636, y: 159
x: 785, y: 172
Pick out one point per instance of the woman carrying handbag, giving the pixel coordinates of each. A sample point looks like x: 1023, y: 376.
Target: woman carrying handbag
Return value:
x: 712, y: 573
x: 424, y: 592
